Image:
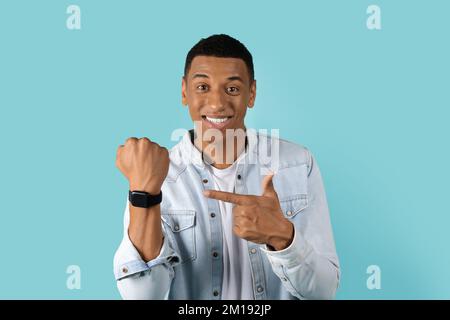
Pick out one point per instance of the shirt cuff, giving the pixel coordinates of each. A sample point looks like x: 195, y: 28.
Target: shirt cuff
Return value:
x: 129, y: 262
x: 292, y: 255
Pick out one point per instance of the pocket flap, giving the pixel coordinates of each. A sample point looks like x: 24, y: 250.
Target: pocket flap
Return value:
x: 178, y: 220
x: 291, y: 205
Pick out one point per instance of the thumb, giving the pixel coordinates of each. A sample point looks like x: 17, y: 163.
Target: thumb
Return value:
x: 267, y: 186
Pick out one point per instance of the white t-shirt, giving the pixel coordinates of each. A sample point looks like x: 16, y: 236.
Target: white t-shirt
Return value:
x: 237, y: 277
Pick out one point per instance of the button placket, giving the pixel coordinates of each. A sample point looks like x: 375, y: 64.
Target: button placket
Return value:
x: 257, y: 272
x: 239, y: 184
x: 216, y: 235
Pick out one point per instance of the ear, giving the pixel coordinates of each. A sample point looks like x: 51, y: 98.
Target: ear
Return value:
x: 183, y: 91
x: 251, y: 101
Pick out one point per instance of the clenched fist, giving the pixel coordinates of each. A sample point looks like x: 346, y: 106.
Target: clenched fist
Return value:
x: 144, y: 163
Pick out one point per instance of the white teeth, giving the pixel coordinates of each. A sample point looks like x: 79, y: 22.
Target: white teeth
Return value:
x: 216, y: 120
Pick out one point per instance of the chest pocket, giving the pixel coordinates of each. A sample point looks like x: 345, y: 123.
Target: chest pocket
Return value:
x: 291, y: 185
x: 181, y: 225
x: 292, y: 205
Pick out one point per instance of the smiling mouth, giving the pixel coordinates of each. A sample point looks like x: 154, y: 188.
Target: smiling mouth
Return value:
x: 216, y: 119
x: 218, y: 122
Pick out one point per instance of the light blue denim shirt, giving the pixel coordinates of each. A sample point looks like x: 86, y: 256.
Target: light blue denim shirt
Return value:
x: 187, y: 267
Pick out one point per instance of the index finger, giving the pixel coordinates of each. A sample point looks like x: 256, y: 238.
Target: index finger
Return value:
x: 231, y: 197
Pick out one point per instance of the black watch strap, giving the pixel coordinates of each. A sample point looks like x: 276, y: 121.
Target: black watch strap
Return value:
x: 144, y: 199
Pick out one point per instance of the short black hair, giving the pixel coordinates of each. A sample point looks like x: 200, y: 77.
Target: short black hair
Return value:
x: 220, y: 46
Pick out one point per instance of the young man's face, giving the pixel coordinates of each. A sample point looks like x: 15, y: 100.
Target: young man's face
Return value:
x: 218, y: 92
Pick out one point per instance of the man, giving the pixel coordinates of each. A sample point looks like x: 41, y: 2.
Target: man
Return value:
x: 216, y: 217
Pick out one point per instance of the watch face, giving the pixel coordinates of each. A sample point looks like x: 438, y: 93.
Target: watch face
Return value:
x: 138, y: 193
x: 143, y: 199
x: 139, y: 199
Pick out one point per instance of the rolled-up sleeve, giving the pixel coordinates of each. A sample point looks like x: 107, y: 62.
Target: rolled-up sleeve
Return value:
x: 139, y: 279
x: 309, y: 267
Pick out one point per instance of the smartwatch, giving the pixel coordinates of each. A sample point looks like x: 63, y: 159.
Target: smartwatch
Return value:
x: 144, y: 199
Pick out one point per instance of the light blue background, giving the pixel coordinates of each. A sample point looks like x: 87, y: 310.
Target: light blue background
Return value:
x: 373, y: 106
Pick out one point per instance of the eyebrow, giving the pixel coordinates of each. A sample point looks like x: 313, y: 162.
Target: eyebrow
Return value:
x: 199, y: 75
x: 235, y: 78
x: 202, y: 75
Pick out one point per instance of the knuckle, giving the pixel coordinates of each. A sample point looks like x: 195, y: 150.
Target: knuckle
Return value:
x: 144, y: 142
x: 164, y: 150
x: 131, y: 140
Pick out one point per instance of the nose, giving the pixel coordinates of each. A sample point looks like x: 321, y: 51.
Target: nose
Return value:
x: 216, y: 101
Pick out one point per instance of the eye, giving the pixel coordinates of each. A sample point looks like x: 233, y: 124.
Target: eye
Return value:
x: 233, y: 90
x: 202, y: 87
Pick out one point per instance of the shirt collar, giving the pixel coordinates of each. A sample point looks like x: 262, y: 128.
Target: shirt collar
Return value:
x: 191, y: 154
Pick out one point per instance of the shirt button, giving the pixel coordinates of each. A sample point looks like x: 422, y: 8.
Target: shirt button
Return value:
x: 289, y: 213
x: 260, y: 289
x: 239, y: 177
x: 205, y: 180
x: 253, y: 250
x: 215, y: 254
x: 284, y: 279
x: 177, y: 227
x: 215, y: 293
x: 213, y: 215
x: 125, y: 270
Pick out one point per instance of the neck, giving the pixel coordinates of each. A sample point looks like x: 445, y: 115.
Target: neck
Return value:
x: 221, y: 153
